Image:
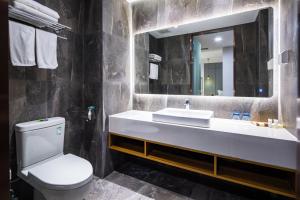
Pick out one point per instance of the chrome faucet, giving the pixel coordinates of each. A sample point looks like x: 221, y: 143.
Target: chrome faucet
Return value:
x: 187, y: 104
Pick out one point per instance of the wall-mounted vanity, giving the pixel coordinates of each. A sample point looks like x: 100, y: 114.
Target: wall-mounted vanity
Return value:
x: 231, y: 150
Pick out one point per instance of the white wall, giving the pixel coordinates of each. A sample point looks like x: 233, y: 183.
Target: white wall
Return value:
x: 228, y: 89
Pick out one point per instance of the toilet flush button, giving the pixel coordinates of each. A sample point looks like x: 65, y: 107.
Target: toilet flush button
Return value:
x: 58, y: 131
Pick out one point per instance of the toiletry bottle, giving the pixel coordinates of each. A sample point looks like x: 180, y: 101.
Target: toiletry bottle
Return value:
x: 236, y: 115
x: 246, y: 116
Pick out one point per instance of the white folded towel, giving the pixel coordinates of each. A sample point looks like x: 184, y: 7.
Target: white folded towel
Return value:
x: 46, y: 49
x: 155, y: 57
x: 34, y: 12
x: 40, y: 7
x: 22, y: 44
x: 153, y: 71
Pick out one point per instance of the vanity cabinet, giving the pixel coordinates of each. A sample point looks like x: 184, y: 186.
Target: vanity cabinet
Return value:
x: 265, y: 177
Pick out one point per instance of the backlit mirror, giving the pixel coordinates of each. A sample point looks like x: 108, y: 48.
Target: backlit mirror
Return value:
x: 225, y: 56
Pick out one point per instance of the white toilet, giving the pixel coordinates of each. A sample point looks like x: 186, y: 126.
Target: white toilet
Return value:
x: 42, y: 164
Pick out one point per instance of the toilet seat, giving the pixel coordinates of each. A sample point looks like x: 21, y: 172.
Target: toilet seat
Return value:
x: 62, y: 173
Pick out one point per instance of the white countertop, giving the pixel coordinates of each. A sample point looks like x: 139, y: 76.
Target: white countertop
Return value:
x: 235, y: 138
x: 221, y: 125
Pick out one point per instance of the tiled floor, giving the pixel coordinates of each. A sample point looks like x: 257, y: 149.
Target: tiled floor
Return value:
x: 119, y: 186
x: 141, y: 182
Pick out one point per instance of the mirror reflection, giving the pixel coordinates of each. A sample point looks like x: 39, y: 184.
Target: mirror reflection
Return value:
x: 226, y: 56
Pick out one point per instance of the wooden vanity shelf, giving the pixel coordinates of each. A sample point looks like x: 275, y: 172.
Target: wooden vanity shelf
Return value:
x: 184, y: 159
x: 127, y: 145
x: 255, y: 175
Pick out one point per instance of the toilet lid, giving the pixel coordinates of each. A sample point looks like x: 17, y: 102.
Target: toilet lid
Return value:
x: 63, y: 173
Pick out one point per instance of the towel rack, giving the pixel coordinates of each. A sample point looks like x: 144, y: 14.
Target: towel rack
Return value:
x: 36, y: 21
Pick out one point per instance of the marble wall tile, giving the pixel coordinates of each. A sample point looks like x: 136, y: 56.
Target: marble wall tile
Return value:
x: 208, y: 9
x: 142, y: 70
x: 149, y: 102
x: 93, y: 57
x: 151, y: 14
x: 260, y: 108
x: 239, y: 5
x: 116, y: 73
x: 144, y: 14
x: 289, y: 71
x: 91, y: 22
x: 141, y: 58
x: 90, y: 147
x: 177, y: 10
x: 115, y: 58
x: 116, y: 23
x: 68, y: 11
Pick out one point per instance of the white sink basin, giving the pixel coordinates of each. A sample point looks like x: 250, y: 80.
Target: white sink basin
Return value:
x: 199, y: 118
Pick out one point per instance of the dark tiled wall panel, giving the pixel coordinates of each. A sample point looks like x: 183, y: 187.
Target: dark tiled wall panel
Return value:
x: 40, y: 93
x: 95, y: 56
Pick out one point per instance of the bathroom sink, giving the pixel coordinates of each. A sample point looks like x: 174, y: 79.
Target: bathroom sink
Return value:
x: 199, y: 118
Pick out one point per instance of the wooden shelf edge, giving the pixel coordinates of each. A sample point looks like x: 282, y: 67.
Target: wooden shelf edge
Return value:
x: 125, y: 136
x: 252, y: 185
x: 257, y: 163
x: 128, y: 151
x: 181, y: 166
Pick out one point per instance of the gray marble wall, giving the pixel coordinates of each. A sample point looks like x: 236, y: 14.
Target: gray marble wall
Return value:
x: 116, y: 71
x: 260, y: 108
x: 251, y: 57
x: 175, y: 67
x: 141, y: 59
x: 149, y: 15
x: 288, y: 106
x: 289, y: 72
x: 174, y: 70
x: 92, y: 86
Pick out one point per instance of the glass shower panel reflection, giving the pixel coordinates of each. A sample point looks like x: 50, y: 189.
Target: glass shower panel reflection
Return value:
x: 196, y: 66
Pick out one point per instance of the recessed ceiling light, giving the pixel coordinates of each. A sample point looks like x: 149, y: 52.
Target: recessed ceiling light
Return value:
x: 218, y: 39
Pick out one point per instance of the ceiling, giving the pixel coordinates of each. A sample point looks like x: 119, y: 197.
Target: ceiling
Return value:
x: 208, y: 40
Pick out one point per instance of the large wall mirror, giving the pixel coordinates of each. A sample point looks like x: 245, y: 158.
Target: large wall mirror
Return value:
x: 225, y: 56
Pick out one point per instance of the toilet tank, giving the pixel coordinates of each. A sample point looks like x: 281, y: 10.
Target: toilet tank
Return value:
x: 39, y: 140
